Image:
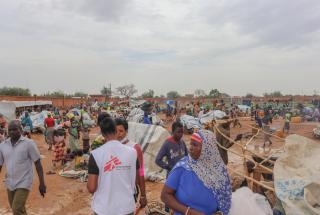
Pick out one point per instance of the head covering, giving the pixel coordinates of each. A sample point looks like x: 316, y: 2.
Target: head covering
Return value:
x: 211, y: 170
x: 196, y: 137
x: 146, y: 106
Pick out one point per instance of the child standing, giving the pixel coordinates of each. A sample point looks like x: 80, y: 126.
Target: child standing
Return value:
x: 58, y: 147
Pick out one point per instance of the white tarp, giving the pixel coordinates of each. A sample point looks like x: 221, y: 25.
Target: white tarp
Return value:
x: 211, y: 115
x: 151, y: 138
x: 190, y: 122
x: 136, y: 103
x: 85, y: 117
x: 316, y: 132
x: 136, y: 115
x: 294, y: 170
x: 8, y: 108
x: 244, y: 108
x: 245, y: 202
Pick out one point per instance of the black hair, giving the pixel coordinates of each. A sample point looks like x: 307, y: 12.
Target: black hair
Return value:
x: 123, y: 122
x: 102, y: 116
x: 85, y: 151
x: 107, y: 126
x: 176, y: 124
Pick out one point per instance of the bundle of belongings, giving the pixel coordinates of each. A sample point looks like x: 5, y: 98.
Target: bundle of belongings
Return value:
x: 316, y: 132
x: 137, y: 114
x: 297, y: 176
x: 190, y: 122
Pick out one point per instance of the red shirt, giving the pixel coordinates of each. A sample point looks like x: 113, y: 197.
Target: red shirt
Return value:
x: 49, y: 122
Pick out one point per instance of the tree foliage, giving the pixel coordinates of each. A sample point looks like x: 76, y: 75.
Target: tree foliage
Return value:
x: 127, y: 90
x: 173, y: 95
x: 58, y: 93
x: 273, y: 94
x: 148, y: 94
x: 249, y: 95
x: 80, y: 94
x: 106, y: 91
x: 215, y: 93
x: 199, y: 93
x: 14, y: 91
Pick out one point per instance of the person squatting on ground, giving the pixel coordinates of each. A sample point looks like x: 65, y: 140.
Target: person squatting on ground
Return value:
x: 122, y: 136
x: 199, y: 183
x: 18, y: 153
x: 113, y: 171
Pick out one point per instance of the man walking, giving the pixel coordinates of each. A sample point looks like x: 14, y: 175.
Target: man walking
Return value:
x: 113, y: 170
x: 18, y: 153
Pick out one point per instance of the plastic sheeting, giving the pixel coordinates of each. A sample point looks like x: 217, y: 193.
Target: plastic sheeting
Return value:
x: 136, y: 115
x: 245, y: 202
x: 294, y: 170
x: 136, y: 103
x: 151, y: 138
x: 190, y: 122
x: 8, y: 108
x: 244, y: 108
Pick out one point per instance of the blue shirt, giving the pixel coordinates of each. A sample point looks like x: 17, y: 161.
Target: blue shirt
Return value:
x: 146, y: 120
x: 26, y: 121
x: 191, y: 191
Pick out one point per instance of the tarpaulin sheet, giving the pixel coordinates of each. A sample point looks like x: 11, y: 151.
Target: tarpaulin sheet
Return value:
x: 151, y: 138
x: 136, y: 115
x: 245, y: 202
x: 295, y: 169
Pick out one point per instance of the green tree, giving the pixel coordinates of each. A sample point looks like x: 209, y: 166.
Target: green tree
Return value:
x: 148, y: 94
x: 14, y: 91
x: 249, y: 95
x: 215, y: 93
x: 273, y: 94
x: 173, y: 95
x: 80, y: 94
x: 127, y: 90
x: 106, y: 91
x: 58, y: 93
x: 199, y: 93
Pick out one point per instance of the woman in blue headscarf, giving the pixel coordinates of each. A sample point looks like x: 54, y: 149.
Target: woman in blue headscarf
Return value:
x: 199, y: 183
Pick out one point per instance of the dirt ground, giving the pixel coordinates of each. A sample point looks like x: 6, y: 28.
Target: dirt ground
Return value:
x: 69, y: 196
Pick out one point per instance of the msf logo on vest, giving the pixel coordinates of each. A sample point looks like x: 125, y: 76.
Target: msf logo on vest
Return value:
x: 112, y: 164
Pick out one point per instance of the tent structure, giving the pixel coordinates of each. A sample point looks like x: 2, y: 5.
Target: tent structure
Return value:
x: 8, y: 108
x: 296, y: 176
x: 151, y: 138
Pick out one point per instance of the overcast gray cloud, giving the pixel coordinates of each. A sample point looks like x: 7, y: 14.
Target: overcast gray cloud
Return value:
x: 280, y: 23
x: 238, y: 46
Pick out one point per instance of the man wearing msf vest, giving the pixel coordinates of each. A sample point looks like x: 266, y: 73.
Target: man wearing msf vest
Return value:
x: 113, y: 170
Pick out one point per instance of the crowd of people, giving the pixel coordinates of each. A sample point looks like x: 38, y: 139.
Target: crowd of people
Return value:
x: 197, y: 180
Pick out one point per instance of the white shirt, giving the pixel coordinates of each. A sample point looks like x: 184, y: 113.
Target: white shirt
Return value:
x: 116, y: 183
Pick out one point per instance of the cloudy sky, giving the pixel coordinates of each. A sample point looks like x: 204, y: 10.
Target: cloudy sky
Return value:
x: 237, y: 46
